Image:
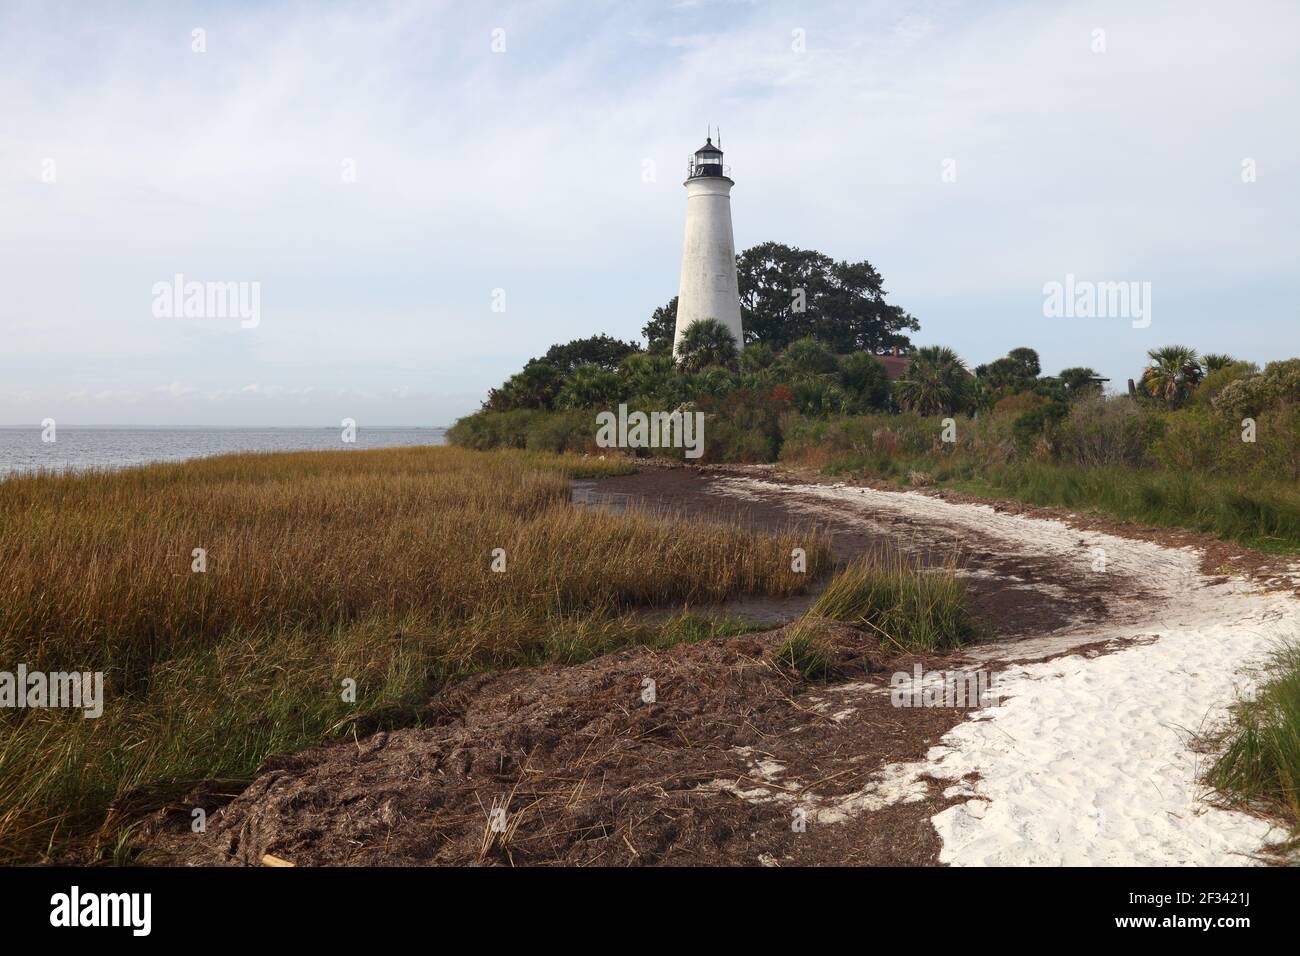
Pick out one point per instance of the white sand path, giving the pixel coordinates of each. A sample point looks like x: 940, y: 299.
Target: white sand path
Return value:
x: 1086, y: 760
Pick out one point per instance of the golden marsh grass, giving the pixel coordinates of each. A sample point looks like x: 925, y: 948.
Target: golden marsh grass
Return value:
x: 368, y: 565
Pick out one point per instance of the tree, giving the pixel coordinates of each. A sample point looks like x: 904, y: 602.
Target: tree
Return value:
x: 1173, y: 374
x: 1213, y: 361
x: 1026, y: 360
x: 936, y: 382
x: 661, y: 328
x: 602, y: 350
x: 533, y: 387
x: 1078, y: 381
x: 704, y: 343
x: 788, y: 293
x: 1017, y: 371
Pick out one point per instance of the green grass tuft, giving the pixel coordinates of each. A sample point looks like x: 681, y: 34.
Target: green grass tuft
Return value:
x: 1260, y: 767
x: 910, y: 608
x: 805, y: 652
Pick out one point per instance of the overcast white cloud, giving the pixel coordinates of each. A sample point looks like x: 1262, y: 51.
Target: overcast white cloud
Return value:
x: 522, y: 170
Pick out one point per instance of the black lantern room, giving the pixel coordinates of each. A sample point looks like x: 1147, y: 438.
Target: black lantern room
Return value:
x: 707, y: 161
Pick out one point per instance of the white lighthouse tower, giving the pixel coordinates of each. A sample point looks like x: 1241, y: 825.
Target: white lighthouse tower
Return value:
x: 708, y: 289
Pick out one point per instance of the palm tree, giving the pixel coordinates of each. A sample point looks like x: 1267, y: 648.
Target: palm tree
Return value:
x: 706, y: 342
x: 1080, y: 380
x: 936, y: 381
x: 1173, y: 373
x: 1213, y: 361
x: 590, y: 386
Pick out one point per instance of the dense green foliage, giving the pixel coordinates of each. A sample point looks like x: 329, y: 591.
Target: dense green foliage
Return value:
x: 936, y: 383
x: 1206, y: 442
x: 1221, y: 455
x: 705, y: 344
x: 789, y: 298
x: 788, y: 294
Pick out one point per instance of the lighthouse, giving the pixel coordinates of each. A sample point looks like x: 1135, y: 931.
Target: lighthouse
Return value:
x: 708, y: 288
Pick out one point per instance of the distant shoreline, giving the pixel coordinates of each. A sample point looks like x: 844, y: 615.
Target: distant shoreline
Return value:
x: 73, y: 426
x: 82, y: 448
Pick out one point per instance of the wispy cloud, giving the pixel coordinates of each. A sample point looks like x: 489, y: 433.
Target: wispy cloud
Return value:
x: 380, y: 171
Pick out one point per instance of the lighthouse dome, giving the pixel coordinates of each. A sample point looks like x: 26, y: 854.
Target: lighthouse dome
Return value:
x: 707, y: 161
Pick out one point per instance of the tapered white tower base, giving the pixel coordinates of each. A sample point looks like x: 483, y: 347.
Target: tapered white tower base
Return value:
x: 708, y: 287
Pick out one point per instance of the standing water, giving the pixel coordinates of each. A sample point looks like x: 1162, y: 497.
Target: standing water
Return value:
x: 76, y: 449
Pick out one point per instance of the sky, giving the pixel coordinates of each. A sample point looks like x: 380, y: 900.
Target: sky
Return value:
x: 426, y: 195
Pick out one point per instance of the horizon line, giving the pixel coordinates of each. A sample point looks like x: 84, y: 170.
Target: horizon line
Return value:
x: 123, y: 427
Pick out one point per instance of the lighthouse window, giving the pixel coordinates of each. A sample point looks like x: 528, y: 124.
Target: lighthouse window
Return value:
x: 710, y: 158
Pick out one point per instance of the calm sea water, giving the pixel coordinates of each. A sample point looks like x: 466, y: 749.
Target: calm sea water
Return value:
x: 22, y: 450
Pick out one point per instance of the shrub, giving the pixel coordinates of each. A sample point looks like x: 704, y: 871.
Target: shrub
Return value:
x: 649, y: 376
x: 564, y: 432
x: 1040, y: 422
x: 1108, y: 431
x: 590, y: 386
x: 1277, y: 439
x: 743, y: 426
x: 807, y: 356
x: 863, y: 377
x: 1248, y: 396
x: 816, y: 394
x: 756, y: 357
x: 1021, y: 403
x: 1195, y: 439
x: 1220, y: 378
x: 714, y: 382
x: 526, y: 428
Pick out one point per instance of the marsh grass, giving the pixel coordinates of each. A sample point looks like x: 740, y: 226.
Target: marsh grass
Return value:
x: 905, y: 606
x: 804, y: 650
x: 373, y: 566
x: 1260, y: 766
x: 1261, y: 514
x: 1258, y: 513
x: 909, y: 607
x: 1108, y: 461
